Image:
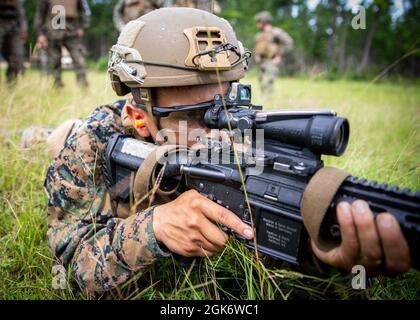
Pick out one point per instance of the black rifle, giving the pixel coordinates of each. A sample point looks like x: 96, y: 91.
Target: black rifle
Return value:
x: 293, y: 145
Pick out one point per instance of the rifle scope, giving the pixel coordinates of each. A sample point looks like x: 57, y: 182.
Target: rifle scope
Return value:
x: 320, y: 131
x: 324, y: 134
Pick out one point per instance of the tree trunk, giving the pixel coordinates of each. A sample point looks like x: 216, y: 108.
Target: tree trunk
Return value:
x: 331, y: 44
x: 368, y: 45
x: 343, y: 47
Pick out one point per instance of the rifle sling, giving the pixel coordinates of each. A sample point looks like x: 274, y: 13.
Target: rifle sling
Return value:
x: 317, y: 198
x: 145, y: 176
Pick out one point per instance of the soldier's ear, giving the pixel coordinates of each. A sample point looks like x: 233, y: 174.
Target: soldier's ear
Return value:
x: 133, y: 111
x: 138, y: 119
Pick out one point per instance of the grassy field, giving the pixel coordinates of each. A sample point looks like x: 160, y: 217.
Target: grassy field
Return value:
x: 384, y: 145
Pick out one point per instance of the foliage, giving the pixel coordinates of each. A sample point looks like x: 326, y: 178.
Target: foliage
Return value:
x: 323, y: 35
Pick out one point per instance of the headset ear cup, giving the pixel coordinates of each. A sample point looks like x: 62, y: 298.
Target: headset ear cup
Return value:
x: 119, y: 87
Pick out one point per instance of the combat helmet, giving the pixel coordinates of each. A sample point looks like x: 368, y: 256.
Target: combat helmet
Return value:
x: 264, y: 17
x: 175, y: 47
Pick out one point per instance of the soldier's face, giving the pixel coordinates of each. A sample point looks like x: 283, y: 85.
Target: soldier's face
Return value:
x: 184, y: 127
x: 187, y: 127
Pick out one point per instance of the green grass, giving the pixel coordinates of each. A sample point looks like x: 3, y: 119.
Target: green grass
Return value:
x: 384, y: 145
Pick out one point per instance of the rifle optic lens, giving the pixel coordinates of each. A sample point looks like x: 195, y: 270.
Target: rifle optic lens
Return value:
x: 342, y: 136
x: 321, y: 134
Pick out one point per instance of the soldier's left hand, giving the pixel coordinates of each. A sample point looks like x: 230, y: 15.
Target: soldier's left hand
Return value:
x: 277, y: 60
x: 23, y: 35
x: 42, y: 41
x: 80, y: 32
x: 373, y: 243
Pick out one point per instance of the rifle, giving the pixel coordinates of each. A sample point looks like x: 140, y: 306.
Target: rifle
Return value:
x: 292, y: 149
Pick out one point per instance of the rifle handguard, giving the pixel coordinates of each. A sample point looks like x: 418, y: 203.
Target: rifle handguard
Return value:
x: 317, y: 198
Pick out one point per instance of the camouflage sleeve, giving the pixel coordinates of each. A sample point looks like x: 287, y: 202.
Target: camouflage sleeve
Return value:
x: 84, y: 14
x: 118, y: 15
x: 101, y: 250
x: 40, y: 16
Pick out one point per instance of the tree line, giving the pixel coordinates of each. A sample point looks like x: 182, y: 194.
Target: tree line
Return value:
x: 329, y: 36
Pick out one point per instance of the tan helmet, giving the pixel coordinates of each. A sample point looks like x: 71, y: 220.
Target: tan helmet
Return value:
x: 264, y: 17
x: 176, y: 47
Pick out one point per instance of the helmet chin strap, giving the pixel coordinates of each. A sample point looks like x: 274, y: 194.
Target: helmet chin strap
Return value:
x: 144, y: 96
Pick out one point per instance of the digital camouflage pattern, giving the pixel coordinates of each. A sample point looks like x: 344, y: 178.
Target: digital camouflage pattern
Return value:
x: 69, y: 37
x: 12, y: 25
x: 102, y: 245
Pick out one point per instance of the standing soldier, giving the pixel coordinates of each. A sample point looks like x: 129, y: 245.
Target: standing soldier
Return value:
x: 127, y: 10
x: 271, y: 45
x: 199, y: 4
x: 62, y: 23
x: 13, y: 32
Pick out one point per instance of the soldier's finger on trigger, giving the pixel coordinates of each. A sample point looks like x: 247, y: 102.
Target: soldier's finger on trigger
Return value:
x: 227, y: 218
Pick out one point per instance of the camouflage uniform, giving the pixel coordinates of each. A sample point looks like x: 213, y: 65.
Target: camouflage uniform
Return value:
x: 77, y: 17
x: 87, y: 230
x: 270, y: 45
x: 199, y: 4
x: 12, y: 25
x: 127, y: 10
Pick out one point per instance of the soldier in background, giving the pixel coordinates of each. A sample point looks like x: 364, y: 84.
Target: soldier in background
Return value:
x: 199, y: 4
x: 13, y: 32
x: 127, y: 10
x: 271, y: 44
x: 55, y: 32
x: 39, y: 58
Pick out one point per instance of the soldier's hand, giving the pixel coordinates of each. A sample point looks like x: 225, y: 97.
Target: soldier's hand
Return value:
x: 276, y: 60
x: 186, y: 225
x: 42, y: 41
x: 373, y: 243
x: 80, y: 33
x: 23, y: 35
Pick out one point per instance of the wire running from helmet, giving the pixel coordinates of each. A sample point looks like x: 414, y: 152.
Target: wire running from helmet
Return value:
x: 118, y: 61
